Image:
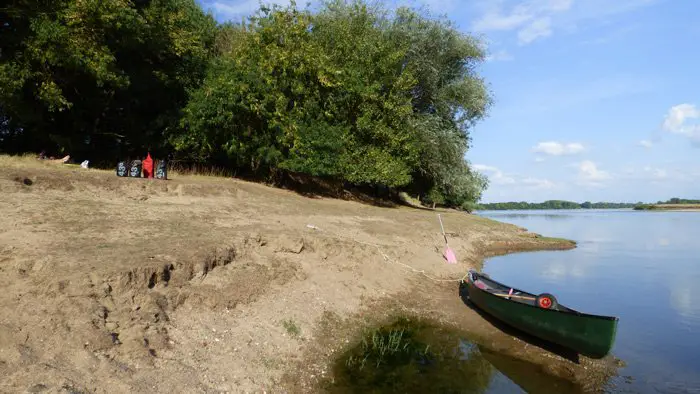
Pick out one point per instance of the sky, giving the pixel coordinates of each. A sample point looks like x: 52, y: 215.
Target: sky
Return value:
x: 594, y: 100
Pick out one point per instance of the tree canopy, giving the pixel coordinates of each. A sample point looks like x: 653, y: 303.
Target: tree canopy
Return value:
x: 351, y: 92
x: 98, y: 78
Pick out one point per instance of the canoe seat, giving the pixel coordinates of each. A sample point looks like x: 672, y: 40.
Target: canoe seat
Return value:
x: 480, y: 284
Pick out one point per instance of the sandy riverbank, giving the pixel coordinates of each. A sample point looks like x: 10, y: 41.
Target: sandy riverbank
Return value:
x: 132, y: 285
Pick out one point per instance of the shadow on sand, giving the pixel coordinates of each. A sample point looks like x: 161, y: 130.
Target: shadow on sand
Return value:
x: 559, y: 350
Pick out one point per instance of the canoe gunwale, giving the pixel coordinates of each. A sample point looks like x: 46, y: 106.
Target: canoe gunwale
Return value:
x: 569, y: 311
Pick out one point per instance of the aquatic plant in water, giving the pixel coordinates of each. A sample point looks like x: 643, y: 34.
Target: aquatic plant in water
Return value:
x: 412, y: 356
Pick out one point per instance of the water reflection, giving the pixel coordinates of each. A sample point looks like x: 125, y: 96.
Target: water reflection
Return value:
x: 642, y: 267
x: 419, y: 356
x: 546, y: 216
x: 685, y: 299
x: 411, y: 356
x: 525, y: 374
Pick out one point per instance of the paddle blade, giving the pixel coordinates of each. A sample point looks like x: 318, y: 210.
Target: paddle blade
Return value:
x: 450, y: 256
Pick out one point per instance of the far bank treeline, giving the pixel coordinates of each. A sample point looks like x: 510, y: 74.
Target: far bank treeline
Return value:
x: 562, y: 204
x: 349, y: 92
x: 552, y: 204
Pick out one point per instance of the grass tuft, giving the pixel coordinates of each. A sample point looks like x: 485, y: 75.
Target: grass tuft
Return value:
x: 179, y: 169
x: 291, y: 327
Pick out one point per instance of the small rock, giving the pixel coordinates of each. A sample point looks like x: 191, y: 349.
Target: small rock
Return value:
x: 111, y: 326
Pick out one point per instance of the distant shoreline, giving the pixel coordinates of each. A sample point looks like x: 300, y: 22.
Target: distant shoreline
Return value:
x: 669, y: 207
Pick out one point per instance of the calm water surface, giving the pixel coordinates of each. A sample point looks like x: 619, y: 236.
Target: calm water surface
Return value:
x: 643, y: 267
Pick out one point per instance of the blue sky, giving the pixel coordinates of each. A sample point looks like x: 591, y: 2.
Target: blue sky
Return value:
x: 594, y: 99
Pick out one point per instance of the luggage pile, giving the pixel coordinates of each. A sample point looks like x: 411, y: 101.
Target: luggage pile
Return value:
x: 143, y: 168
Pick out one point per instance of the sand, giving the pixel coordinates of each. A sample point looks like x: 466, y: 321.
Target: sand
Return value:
x: 200, y: 284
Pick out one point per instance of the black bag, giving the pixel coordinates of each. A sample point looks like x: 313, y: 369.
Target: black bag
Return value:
x: 135, y: 169
x: 162, y: 170
x: 122, y: 169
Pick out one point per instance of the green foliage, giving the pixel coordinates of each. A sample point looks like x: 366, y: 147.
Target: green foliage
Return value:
x: 412, y: 357
x: 553, y: 204
x: 95, y: 77
x: 676, y: 200
x: 297, y: 94
x: 351, y: 91
x: 348, y: 92
x: 291, y: 327
x: 435, y: 197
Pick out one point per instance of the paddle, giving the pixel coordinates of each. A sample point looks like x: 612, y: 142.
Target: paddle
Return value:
x: 515, y: 296
x: 448, y: 254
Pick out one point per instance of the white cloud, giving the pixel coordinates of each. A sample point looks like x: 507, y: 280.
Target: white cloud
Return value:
x: 532, y: 19
x: 646, y: 143
x: 539, y: 183
x: 498, y: 177
x: 655, y: 173
x: 677, y: 115
x: 500, y: 56
x: 554, y: 148
x: 590, y: 174
x: 496, y: 20
x: 537, y: 19
x: 679, y: 120
x: 539, y: 159
x: 539, y: 28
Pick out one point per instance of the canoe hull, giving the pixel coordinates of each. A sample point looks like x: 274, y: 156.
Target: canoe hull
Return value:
x: 589, y: 335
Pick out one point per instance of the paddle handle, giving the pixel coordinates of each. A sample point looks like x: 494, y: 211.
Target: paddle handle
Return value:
x: 442, y: 228
x: 515, y: 296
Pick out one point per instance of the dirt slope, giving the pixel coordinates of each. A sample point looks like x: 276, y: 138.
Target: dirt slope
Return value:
x: 133, y: 285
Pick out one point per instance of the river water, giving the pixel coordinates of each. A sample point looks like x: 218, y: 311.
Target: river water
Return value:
x: 643, y: 267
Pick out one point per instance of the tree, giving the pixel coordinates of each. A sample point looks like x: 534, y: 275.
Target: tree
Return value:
x: 448, y: 98
x: 98, y: 78
x: 347, y: 92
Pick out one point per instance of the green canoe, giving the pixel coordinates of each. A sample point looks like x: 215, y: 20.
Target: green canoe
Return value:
x: 542, y: 317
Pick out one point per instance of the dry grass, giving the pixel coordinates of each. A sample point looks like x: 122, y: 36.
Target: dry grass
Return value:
x: 199, y: 170
x: 27, y: 161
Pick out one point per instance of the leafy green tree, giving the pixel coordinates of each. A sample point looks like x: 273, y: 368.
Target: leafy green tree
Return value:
x: 448, y: 98
x: 96, y: 77
x: 346, y: 92
x: 350, y: 91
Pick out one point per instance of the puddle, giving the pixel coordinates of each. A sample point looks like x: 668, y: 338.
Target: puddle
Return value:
x: 419, y: 356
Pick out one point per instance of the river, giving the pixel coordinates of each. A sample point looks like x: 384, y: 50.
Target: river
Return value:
x: 643, y: 267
